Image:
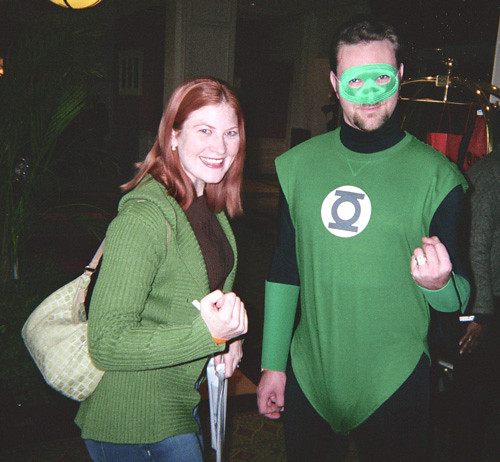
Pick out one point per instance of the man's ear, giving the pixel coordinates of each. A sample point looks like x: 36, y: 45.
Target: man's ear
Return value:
x: 401, y: 71
x: 335, y: 83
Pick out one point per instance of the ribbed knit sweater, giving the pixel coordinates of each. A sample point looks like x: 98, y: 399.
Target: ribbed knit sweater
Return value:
x: 143, y: 329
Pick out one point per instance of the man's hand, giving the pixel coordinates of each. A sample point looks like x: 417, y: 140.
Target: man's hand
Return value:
x: 472, y: 338
x: 231, y: 359
x: 430, y: 264
x: 224, y: 314
x: 271, y: 394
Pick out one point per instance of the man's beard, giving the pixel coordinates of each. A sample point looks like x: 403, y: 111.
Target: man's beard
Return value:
x: 370, y: 124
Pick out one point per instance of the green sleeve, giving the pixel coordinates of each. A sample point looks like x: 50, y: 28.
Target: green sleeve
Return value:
x: 279, y: 316
x: 119, y: 340
x: 453, y: 296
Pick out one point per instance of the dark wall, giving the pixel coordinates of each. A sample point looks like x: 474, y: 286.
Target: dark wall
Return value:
x: 264, y: 84
x: 146, y: 30
x: 464, y: 30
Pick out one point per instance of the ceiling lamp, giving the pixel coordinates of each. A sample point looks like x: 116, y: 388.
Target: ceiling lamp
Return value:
x: 76, y: 4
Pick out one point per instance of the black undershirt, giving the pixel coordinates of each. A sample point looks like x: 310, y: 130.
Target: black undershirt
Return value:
x: 383, y: 138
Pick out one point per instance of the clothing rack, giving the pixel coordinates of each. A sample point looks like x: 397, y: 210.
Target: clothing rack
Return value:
x: 478, y: 95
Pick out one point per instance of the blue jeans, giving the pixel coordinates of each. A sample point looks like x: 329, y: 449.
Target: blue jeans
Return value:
x: 180, y: 448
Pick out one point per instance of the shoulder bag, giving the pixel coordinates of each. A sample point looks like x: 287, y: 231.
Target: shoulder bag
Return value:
x: 55, y: 335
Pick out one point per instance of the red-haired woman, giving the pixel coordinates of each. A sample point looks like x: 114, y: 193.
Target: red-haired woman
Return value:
x: 170, y: 244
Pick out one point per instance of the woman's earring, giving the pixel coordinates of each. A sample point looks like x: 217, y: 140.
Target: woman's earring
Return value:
x: 174, y: 148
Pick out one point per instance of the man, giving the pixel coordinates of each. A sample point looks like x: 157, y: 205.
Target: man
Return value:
x: 357, y: 208
x: 476, y: 373
x: 484, y: 177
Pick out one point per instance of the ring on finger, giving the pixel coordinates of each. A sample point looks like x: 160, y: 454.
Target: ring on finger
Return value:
x: 420, y: 260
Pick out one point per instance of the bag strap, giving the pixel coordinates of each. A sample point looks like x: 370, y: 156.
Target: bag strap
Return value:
x: 91, y: 267
x: 78, y: 310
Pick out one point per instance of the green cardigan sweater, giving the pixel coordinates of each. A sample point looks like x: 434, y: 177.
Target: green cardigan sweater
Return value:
x: 143, y: 329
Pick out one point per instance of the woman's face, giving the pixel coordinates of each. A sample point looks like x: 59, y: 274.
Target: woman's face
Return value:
x: 207, y: 144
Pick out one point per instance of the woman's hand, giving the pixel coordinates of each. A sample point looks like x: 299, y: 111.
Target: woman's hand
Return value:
x: 224, y: 314
x: 231, y: 359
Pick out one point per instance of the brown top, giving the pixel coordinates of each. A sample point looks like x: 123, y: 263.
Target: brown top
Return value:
x: 215, y: 247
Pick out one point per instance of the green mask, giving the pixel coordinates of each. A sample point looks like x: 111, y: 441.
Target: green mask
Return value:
x: 369, y: 84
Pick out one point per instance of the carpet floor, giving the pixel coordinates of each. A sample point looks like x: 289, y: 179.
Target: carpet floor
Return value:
x: 250, y: 437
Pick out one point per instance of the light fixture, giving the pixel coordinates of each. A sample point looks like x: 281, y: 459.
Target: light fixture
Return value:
x: 76, y: 4
x: 1, y: 67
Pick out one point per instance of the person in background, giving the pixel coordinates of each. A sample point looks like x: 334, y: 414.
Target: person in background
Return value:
x: 484, y: 177
x: 170, y: 244
x: 368, y: 239
x: 476, y: 372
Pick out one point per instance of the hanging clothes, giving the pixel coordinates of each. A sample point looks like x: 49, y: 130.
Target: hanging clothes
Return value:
x: 462, y: 149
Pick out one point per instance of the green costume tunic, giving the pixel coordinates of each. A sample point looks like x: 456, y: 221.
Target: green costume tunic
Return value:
x: 364, y: 321
x: 143, y: 330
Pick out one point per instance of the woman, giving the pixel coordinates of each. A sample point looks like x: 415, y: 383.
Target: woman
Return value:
x: 171, y: 244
